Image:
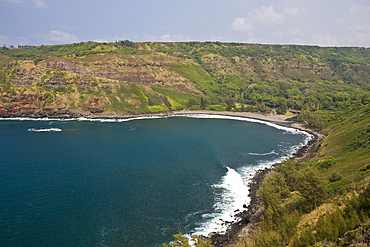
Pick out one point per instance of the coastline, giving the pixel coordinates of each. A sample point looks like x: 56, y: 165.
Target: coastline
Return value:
x: 65, y: 114
x: 251, y: 215
x: 282, y: 119
x: 248, y: 217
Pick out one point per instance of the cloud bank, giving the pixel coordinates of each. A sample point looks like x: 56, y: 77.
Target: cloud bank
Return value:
x: 302, y: 23
x: 56, y: 36
x: 34, y: 3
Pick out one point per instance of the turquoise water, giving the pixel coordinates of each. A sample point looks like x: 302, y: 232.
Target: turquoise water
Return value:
x: 129, y: 183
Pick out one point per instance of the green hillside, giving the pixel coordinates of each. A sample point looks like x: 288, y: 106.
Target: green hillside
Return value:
x: 314, y: 203
x: 90, y: 77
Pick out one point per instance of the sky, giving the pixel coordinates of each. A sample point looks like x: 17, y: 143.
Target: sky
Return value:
x: 301, y: 22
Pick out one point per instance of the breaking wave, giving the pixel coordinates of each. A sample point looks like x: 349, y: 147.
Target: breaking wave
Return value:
x: 264, y: 154
x: 44, y: 130
x: 230, y: 195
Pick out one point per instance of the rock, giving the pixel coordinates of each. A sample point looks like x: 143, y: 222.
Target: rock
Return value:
x: 359, y: 236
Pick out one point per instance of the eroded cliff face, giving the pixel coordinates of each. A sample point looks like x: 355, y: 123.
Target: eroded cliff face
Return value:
x: 91, y: 84
x: 152, y: 71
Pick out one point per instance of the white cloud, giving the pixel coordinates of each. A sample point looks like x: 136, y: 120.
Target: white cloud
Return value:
x: 14, y: 1
x: 40, y: 3
x: 166, y: 37
x: 34, y: 3
x: 299, y: 22
x: 55, y: 36
x: 68, y: 27
x: 242, y: 24
x: 358, y: 34
x: 292, y: 11
x: 324, y: 39
x: 357, y: 8
x: 173, y: 37
x: 295, y: 11
x: 4, y: 40
x: 264, y: 16
x: 147, y: 37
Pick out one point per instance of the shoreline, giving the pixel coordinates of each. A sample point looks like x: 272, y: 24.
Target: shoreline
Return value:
x: 113, y: 115
x: 282, y: 119
x: 248, y: 217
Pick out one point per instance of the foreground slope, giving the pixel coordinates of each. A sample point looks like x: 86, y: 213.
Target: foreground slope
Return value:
x: 316, y: 202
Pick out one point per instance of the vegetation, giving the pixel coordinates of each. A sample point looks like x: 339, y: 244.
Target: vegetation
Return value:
x: 315, y: 81
x: 188, y: 242
x: 306, y: 204
x: 314, y: 203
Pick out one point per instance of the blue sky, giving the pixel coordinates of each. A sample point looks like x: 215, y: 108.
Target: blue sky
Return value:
x: 304, y: 22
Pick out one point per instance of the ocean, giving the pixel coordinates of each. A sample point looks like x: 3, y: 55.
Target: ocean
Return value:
x: 129, y: 182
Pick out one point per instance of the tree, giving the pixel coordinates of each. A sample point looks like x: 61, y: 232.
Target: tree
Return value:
x: 312, y: 187
x: 278, y: 185
x: 127, y: 43
x: 230, y: 104
x: 312, y: 119
x: 283, y: 87
x: 203, y: 103
x: 283, y: 106
x: 190, y: 102
x: 261, y: 107
x: 291, y: 175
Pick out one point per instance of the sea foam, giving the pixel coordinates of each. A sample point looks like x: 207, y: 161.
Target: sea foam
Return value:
x: 264, y: 154
x: 44, y: 130
x: 232, y: 196
x: 231, y: 193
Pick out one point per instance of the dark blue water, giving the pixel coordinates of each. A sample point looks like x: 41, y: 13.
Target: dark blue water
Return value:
x: 132, y: 183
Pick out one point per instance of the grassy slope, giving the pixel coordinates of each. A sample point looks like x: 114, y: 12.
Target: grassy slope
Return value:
x: 347, y: 147
x: 349, y: 143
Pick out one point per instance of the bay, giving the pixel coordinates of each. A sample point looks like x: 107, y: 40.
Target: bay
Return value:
x: 129, y: 183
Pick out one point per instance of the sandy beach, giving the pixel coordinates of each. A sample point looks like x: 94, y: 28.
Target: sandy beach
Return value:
x: 265, y: 117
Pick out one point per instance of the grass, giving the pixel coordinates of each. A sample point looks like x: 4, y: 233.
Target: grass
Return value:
x: 343, y: 143
x: 178, y: 100
x: 196, y: 74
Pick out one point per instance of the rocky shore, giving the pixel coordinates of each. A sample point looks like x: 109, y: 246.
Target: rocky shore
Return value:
x: 249, y: 218
x: 45, y: 113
